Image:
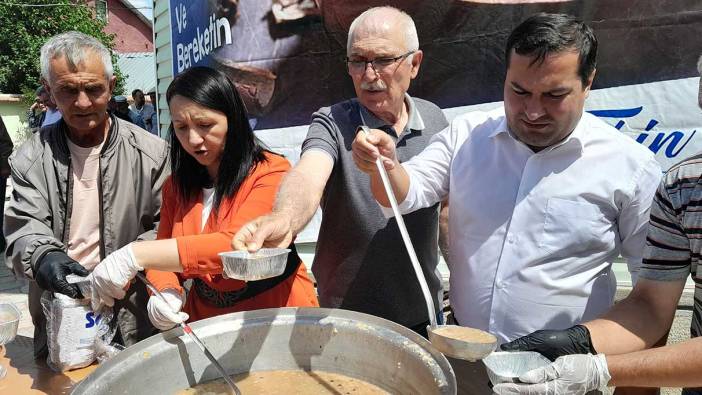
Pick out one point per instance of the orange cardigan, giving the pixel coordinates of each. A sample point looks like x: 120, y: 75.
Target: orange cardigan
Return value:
x: 198, y: 249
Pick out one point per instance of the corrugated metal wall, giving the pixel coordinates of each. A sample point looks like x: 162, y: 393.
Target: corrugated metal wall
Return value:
x: 164, y: 62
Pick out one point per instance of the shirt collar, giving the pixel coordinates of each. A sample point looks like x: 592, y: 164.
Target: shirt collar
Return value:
x: 576, y: 138
x: 414, y: 120
x: 579, y: 133
x: 501, y: 128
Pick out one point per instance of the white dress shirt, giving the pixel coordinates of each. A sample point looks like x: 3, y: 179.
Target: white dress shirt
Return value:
x: 532, y: 235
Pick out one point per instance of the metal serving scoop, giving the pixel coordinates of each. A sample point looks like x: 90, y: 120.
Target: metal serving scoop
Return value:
x: 186, y: 328
x: 453, y: 340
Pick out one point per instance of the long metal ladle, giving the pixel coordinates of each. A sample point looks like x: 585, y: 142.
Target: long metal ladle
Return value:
x: 449, y: 345
x: 186, y: 328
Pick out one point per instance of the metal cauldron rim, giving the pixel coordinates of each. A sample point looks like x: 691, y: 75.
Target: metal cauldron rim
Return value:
x: 262, y: 317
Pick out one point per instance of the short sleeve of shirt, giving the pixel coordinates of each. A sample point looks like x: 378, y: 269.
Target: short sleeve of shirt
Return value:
x: 322, y: 135
x: 667, y: 255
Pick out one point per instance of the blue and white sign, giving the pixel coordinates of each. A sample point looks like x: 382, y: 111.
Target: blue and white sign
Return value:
x: 664, y: 116
x: 196, y: 32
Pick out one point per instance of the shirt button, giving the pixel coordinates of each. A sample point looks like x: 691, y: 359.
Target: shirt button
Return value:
x: 500, y: 284
x: 510, y: 239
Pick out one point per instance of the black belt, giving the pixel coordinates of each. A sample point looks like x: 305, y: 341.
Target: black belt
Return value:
x: 223, y: 299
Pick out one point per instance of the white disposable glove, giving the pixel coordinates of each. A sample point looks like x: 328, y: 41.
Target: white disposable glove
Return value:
x: 110, y: 277
x: 569, y: 374
x: 164, y: 315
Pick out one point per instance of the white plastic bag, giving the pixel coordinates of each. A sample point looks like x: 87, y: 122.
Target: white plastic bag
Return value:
x: 73, y: 331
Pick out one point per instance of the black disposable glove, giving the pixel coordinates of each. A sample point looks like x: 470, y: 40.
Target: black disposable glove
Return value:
x: 553, y: 344
x: 51, y: 272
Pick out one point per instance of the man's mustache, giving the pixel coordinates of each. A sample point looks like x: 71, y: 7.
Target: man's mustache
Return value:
x: 375, y: 86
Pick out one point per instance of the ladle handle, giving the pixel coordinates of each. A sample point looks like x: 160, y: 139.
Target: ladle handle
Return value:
x: 208, y: 354
x: 186, y: 328
x: 405, y: 237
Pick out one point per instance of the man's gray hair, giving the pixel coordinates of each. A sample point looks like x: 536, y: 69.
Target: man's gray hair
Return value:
x: 74, y: 46
x: 411, y: 39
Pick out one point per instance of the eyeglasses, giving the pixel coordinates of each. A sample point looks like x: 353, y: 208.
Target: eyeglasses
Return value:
x: 356, y: 66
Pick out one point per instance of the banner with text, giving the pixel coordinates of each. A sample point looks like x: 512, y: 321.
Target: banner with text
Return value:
x: 287, y: 57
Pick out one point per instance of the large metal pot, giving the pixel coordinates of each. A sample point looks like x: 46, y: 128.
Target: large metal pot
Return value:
x: 358, y: 345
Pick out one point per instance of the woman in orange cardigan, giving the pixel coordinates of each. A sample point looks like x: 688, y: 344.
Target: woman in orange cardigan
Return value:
x: 221, y: 179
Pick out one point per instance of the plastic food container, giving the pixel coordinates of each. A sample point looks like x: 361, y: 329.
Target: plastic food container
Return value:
x: 506, y: 367
x: 9, y: 322
x: 252, y: 266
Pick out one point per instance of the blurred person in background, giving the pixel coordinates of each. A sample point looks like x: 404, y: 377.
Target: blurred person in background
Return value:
x: 43, y: 111
x: 154, y: 116
x: 141, y: 107
x: 122, y: 110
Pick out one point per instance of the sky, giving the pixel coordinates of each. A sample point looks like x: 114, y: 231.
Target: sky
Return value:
x: 145, y: 7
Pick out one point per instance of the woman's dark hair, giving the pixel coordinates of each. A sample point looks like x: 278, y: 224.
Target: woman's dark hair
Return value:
x: 543, y: 34
x: 242, y: 150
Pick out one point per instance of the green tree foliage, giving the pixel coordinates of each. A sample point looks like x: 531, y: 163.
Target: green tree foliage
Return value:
x: 23, y: 30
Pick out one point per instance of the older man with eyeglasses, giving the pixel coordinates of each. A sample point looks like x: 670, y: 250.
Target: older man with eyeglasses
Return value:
x: 360, y: 262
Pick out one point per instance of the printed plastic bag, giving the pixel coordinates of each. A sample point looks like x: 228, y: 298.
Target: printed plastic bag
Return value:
x: 73, y: 331
x: 105, y: 351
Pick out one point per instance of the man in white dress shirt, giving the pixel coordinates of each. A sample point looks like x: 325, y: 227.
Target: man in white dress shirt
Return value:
x: 543, y: 196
